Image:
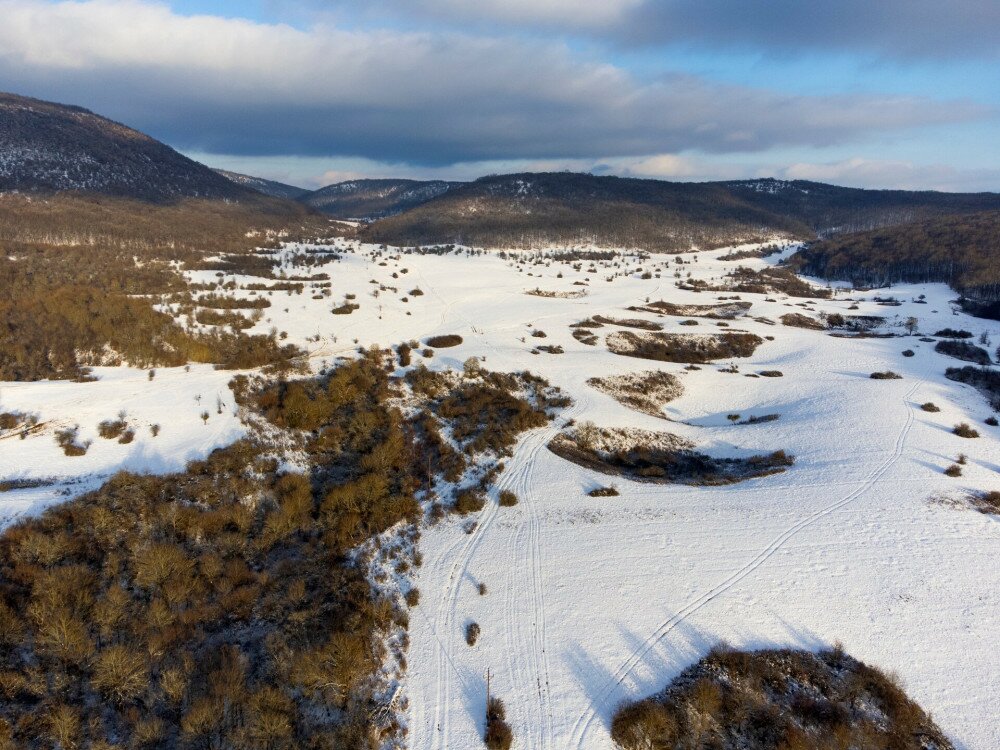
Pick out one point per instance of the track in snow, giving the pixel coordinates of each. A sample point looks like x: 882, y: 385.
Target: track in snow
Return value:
x: 611, y: 687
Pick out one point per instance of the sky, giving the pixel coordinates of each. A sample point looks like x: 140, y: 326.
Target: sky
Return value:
x: 867, y: 93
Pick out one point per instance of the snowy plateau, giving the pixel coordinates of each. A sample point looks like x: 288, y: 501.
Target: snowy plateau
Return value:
x: 597, y: 600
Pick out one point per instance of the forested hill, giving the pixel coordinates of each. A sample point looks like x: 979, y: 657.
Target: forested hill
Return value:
x: 538, y: 208
x: 267, y: 187
x: 830, y: 209
x: 963, y: 251
x: 523, y: 210
x: 46, y: 147
x: 374, y: 199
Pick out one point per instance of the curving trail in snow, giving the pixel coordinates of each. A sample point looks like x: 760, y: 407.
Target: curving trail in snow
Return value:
x: 608, y: 696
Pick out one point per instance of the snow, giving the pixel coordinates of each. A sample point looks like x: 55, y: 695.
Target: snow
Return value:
x: 169, y: 400
x: 592, y: 601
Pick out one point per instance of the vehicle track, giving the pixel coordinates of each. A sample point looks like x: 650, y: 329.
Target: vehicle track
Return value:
x: 585, y: 722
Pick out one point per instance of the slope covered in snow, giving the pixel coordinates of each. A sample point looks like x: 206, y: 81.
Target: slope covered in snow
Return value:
x: 590, y: 601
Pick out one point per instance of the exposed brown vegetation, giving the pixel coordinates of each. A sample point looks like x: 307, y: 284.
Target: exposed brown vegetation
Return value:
x: 472, y: 631
x: 721, y: 311
x: 659, y: 457
x: 682, y: 347
x: 766, y: 281
x: 985, y: 381
x: 647, y: 392
x: 444, y: 341
x: 798, y: 320
x: 639, y: 323
x: 218, y: 607
x: 82, y: 274
x: 499, y: 735
x: 778, y: 700
x: 611, y: 491
x: 987, y: 502
x: 964, y: 350
x: 507, y: 499
x: 965, y: 430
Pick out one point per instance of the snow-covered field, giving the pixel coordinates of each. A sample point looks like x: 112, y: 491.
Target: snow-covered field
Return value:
x: 591, y: 601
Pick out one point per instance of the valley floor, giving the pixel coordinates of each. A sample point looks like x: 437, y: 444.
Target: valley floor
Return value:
x: 591, y: 601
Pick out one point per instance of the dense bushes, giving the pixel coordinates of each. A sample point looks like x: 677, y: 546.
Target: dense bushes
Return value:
x: 778, y: 700
x: 223, y: 606
x: 215, y: 607
x: 507, y: 499
x: 646, y: 456
x: 688, y: 348
x: 485, y: 413
x: 499, y: 735
x: 952, y: 333
x: 211, y: 608
x: 965, y: 430
x: 81, y: 276
x: 964, y: 350
x: 472, y: 631
x: 986, y: 381
x: 444, y: 341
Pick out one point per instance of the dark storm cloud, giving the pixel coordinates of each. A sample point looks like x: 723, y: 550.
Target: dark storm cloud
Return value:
x: 893, y: 28
x: 889, y: 28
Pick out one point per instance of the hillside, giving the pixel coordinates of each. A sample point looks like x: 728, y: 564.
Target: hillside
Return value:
x: 831, y: 209
x: 961, y: 251
x: 535, y: 209
x: 522, y: 210
x: 374, y: 199
x: 267, y: 187
x: 47, y: 147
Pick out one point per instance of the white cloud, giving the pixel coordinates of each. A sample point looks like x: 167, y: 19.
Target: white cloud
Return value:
x: 239, y: 87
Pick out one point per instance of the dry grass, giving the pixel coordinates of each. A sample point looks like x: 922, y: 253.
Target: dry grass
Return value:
x: 647, y: 391
x: 987, y: 502
x: 611, y: 491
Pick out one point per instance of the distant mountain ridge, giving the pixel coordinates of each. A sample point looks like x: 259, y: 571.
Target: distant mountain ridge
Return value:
x: 374, y: 199
x: 533, y: 209
x: 48, y: 147
x: 267, y: 187
x: 831, y: 209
